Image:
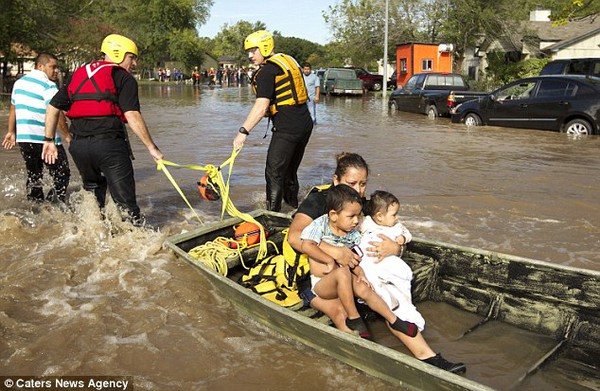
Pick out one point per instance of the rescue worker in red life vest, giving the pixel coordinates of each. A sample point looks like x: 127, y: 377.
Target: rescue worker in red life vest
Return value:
x: 281, y: 95
x: 100, y: 98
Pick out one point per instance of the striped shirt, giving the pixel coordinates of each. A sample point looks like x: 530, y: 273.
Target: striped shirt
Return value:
x: 319, y: 231
x: 30, y: 96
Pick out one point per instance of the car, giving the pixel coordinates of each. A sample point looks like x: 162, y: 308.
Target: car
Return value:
x: 565, y: 103
x: 432, y: 93
x: 573, y: 66
x: 392, y: 83
x: 341, y: 81
x: 371, y: 81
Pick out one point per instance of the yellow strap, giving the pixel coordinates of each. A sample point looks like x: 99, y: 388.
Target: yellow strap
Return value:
x: 161, y: 167
x: 216, y: 176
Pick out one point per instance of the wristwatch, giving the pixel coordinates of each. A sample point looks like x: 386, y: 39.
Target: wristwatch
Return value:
x: 48, y: 138
x: 244, y: 131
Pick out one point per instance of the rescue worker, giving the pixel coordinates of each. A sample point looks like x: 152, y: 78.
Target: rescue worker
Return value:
x: 100, y: 99
x: 281, y: 95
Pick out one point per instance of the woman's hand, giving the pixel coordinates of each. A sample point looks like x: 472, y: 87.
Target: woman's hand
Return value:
x: 344, y: 256
x: 385, y: 248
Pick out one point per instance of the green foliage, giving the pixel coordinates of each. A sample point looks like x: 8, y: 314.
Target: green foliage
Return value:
x: 187, y: 48
x: 565, y: 10
x: 300, y: 49
x: 501, y: 71
x: 230, y: 40
x: 358, y: 28
x: 74, y: 29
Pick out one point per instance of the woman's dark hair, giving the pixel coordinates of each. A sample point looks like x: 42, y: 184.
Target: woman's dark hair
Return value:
x: 347, y: 160
x: 380, y: 201
x: 340, y: 195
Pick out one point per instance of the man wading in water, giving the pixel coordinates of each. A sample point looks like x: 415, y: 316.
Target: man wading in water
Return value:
x: 281, y: 95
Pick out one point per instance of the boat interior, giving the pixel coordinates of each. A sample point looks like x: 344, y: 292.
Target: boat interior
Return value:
x: 517, y: 325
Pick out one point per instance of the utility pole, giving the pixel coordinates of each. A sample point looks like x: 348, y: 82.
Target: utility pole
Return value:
x: 385, y: 51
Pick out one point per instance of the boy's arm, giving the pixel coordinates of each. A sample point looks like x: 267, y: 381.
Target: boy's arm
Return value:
x: 314, y: 252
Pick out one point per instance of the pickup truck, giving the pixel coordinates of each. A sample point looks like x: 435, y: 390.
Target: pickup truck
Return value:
x: 341, y: 81
x: 434, y: 94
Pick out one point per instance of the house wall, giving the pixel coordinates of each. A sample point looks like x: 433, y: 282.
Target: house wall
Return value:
x: 586, y: 48
x: 414, y: 58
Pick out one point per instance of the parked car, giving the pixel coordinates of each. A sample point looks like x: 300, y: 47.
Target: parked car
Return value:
x: 392, y: 83
x: 574, y: 66
x: 371, y: 81
x: 341, y: 81
x: 563, y: 103
x: 428, y: 93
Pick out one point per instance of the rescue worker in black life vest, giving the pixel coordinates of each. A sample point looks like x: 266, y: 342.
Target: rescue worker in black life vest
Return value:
x: 281, y: 95
x: 100, y: 99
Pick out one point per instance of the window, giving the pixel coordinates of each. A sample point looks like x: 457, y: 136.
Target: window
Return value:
x: 516, y: 91
x: 552, y: 88
x: 410, y: 84
x: 427, y: 65
x: 578, y: 67
x: 596, y: 69
x: 403, y: 66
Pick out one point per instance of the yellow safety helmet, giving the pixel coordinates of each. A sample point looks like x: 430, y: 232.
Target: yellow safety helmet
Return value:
x: 115, y: 46
x: 261, y: 39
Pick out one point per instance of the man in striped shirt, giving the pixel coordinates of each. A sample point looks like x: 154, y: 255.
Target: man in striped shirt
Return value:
x: 30, y: 96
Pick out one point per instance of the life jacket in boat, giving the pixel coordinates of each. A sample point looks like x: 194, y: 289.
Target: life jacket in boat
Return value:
x: 290, y: 88
x: 92, y: 92
x: 279, y: 278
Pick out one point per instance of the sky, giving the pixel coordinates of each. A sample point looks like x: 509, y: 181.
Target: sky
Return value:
x: 301, y: 19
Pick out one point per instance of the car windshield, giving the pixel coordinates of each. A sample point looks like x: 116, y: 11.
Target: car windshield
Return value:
x: 341, y: 74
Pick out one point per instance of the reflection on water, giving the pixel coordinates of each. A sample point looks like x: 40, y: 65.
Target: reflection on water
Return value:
x: 85, y: 296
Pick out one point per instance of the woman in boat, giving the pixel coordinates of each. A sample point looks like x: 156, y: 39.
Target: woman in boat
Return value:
x: 352, y: 170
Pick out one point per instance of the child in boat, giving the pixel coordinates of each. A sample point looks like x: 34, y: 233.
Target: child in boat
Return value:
x: 330, y: 280
x: 391, y: 276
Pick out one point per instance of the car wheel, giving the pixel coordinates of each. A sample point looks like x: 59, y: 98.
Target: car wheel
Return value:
x: 432, y: 112
x: 393, y: 105
x: 472, y: 120
x: 377, y: 86
x: 578, y: 127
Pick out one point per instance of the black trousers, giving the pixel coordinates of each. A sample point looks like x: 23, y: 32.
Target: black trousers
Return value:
x: 104, y: 161
x: 281, y: 173
x: 60, y: 172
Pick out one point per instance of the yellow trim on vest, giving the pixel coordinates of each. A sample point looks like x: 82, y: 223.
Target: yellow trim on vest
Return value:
x: 290, y: 89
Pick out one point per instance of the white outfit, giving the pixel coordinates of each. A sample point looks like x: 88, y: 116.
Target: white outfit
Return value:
x: 391, y: 278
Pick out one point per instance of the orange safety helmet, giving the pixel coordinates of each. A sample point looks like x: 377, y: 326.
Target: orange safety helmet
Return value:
x: 208, y: 189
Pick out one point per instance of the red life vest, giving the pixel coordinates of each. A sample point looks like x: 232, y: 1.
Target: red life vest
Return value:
x: 93, y: 93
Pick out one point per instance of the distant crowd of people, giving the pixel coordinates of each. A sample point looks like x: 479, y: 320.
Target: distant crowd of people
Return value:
x: 226, y: 75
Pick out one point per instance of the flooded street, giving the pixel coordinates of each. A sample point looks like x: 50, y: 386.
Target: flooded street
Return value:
x: 81, y: 296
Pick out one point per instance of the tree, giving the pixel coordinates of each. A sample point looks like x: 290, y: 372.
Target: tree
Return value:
x: 299, y: 48
x: 74, y: 29
x: 230, y: 40
x: 187, y: 48
x: 357, y: 27
x: 565, y: 10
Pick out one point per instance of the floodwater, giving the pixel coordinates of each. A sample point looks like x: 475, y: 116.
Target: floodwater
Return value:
x: 84, y: 296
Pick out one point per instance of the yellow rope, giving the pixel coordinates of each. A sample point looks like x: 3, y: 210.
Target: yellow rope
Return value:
x: 216, y: 176
x: 215, y: 253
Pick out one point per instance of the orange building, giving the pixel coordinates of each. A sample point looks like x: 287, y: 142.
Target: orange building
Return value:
x: 414, y: 58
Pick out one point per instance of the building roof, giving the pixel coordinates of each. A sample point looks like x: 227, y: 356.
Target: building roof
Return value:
x: 567, y: 34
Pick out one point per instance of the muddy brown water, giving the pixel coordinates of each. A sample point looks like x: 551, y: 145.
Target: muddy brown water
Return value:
x: 84, y: 296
